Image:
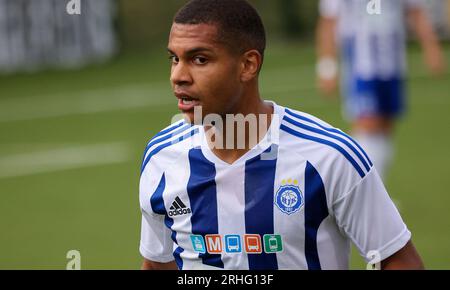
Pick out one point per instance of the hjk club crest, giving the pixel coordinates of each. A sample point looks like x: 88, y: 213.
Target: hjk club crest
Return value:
x: 289, y: 198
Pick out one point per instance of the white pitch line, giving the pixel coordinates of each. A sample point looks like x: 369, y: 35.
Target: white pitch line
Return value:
x: 97, y: 102
x: 142, y: 95
x: 85, y: 102
x: 109, y: 99
x: 63, y: 159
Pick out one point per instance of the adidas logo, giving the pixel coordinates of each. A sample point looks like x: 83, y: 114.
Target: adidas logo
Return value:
x: 178, y: 208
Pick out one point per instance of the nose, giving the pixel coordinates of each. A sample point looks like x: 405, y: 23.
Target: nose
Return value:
x: 180, y: 75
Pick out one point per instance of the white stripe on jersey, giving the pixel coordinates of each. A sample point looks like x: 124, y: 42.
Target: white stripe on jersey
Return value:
x: 230, y: 195
x: 292, y: 167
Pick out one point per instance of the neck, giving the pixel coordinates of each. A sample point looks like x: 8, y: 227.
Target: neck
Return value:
x: 242, y: 130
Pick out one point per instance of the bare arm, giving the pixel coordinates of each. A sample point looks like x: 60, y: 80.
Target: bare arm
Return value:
x: 150, y: 265
x: 325, y: 36
x: 326, y: 50
x: 406, y: 259
x: 428, y: 39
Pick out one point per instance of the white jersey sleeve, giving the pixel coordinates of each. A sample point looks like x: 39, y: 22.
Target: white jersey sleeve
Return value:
x: 367, y: 215
x: 329, y: 8
x: 156, y: 243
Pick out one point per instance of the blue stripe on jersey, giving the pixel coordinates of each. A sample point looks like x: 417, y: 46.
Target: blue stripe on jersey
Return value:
x: 202, y: 192
x: 156, y: 200
x: 161, y: 147
x: 168, y: 130
x: 333, y: 130
x: 178, y: 259
x: 324, y: 133
x: 326, y: 142
x: 157, y: 139
x: 259, y: 191
x: 176, y: 254
x: 316, y: 211
x: 171, y: 128
x: 158, y: 207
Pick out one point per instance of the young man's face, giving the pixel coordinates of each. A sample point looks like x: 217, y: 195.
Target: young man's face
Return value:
x: 204, y: 72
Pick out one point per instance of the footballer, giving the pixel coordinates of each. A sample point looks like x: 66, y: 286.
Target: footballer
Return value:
x: 294, y: 198
x: 373, y: 72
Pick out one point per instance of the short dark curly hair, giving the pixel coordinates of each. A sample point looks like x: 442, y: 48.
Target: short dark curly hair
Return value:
x: 238, y: 22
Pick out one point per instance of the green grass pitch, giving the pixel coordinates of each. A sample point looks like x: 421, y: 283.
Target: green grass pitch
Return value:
x: 53, y: 200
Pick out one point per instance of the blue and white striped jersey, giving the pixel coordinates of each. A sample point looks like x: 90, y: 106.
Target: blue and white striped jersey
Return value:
x: 377, y: 42
x: 295, y: 201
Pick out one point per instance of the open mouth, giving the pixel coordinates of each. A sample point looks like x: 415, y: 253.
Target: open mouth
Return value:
x: 186, y: 102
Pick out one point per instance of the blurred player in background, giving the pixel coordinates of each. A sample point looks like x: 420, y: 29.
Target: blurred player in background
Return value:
x: 372, y: 41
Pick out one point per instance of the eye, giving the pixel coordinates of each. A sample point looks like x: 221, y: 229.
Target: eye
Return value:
x: 200, y: 60
x: 174, y: 59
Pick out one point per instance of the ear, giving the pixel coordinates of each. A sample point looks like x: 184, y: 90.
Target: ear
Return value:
x: 251, y: 62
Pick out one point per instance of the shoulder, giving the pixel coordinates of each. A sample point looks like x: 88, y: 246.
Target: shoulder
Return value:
x: 166, y: 145
x: 162, y: 151
x: 324, y: 146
